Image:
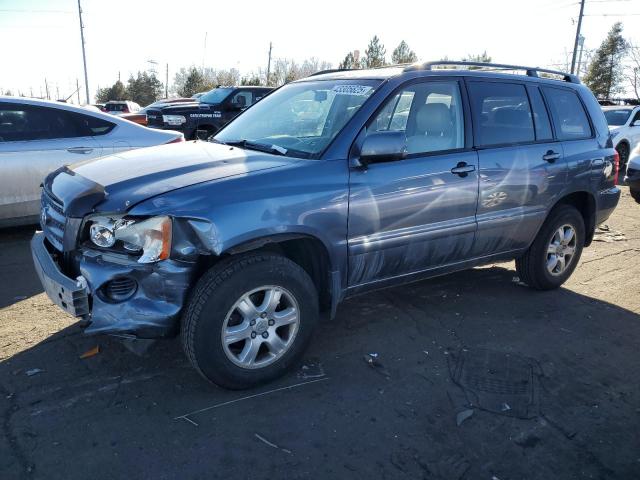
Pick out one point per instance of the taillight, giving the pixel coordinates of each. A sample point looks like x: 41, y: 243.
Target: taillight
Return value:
x: 177, y: 140
x: 616, y: 166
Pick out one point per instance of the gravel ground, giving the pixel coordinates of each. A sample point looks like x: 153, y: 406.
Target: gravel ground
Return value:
x: 343, y: 413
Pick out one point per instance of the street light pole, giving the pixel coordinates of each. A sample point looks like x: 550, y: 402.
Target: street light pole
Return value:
x: 575, y: 45
x: 84, y: 56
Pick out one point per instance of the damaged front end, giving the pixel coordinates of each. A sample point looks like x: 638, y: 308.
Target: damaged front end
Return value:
x: 122, y: 275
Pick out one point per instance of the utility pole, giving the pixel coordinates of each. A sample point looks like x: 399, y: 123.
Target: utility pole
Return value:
x: 84, y: 56
x: 78, y: 90
x: 575, y: 45
x: 204, y: 51
x: 46, y: 87
x: 166, y: 82
x: 269, y: 63
x: 581, y: 41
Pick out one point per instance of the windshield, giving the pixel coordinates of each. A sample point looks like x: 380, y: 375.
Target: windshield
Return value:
x: 217, y: 95
x: 302, y: 118
x: 615, y: 118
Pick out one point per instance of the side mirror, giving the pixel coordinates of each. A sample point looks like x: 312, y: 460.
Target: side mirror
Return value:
x: 383, y: 147
x: 635, y: 123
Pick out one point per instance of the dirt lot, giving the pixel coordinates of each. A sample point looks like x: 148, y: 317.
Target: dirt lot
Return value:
x: 343, y: 413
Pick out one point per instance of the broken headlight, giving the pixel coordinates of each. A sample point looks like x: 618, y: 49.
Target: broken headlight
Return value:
x: 150, y: 237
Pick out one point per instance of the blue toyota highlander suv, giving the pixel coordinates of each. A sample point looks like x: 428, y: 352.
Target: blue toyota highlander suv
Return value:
x: 334, y: 185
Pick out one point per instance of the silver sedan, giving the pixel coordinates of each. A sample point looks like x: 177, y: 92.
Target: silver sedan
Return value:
x: 39, y: 136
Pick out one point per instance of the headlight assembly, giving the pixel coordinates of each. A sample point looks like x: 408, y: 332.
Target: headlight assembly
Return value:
x: 150, y: 237
x: 174, y: 119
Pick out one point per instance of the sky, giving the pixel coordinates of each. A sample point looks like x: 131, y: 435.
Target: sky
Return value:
x: 41, y: 38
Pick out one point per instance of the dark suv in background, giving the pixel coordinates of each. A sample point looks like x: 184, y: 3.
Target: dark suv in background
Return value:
x: 334, y: 185
x: 203, y: 117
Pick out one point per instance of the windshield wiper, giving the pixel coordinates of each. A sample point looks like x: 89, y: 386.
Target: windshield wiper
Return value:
x: 260, y: 147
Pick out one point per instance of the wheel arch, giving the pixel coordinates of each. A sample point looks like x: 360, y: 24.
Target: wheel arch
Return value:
x: 585, y: 203
x: 305, y: 249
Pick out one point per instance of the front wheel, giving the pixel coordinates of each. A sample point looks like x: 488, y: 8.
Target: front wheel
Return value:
x: 556, y: 250
x: 250, y: 318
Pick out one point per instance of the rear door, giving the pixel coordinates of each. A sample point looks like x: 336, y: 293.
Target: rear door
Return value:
x: 522, y: 165
x: 413, y: 215
x: 34, y: 141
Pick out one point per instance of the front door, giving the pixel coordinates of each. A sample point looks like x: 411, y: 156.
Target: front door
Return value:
x: 415, y: 214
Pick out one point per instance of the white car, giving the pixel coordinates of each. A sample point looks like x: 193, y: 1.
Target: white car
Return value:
x: 39, y: 136
x: 624, y: 125
x: 632, y: 178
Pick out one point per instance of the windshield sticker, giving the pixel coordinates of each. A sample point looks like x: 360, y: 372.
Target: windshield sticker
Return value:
x: 351, y: 89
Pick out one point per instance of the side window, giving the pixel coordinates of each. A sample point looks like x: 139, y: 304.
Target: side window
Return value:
x: 540, y: 115
x: 569, y: 118
x: 242, y: 98
x: 26, y: 122
x: 501, y: 112
x: 92, y: 126
x: 429, y: 113
x: 636, y: 117
x: 258, y: 94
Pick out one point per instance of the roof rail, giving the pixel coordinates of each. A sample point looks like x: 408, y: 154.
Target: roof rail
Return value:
x: 330, y: 70
x: 531, y: 71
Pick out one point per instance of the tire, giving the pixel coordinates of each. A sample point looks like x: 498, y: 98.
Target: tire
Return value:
x: 215, y: 313
x: 534, y: 266
x: 635, y: 194
x: 623, y: 152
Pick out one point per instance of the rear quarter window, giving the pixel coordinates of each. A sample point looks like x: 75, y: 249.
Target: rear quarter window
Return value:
x: 502, y: 113
x: 569, y: 116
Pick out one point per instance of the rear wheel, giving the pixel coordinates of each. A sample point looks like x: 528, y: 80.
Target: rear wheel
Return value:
x: 623, y: 152
x: 556, y: 250
x: 250, y: 318
x: 635, y: 194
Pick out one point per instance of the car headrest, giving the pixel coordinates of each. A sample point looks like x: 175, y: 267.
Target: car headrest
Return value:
x: 433, y: 118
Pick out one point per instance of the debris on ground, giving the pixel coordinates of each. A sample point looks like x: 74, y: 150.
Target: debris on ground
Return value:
x: 33, y: 371
x: 91, y: 352
x: 271, y: 444
x: 463, y: 415
x: 374, y: 362
x: 517, y: 281
x: 312, y: 369
x: 604, y: 233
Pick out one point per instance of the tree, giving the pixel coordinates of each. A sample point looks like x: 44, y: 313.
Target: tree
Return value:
x: 605, y: 73
x: 114, y: 92
x: 374, y: 55
x: 632, y: 72
x: 144, y: 89
x: 483, y: 58
x: 350, y: 62
x: 193, y: 82
x: 403, y: 54
x: 252, y: 79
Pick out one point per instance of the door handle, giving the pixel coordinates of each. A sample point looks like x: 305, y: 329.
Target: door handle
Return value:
x: 463, y: 169
x: 81, y: 150
x: 551, y: 156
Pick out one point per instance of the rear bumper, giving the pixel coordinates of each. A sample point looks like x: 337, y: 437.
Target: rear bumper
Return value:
x: 606, y: 203
x: 151, y: 311
x: 632, y: 179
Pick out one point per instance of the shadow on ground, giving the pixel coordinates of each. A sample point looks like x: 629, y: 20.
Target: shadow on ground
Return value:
x: 118, y: 415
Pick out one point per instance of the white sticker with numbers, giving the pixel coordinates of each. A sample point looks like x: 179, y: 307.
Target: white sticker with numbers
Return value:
x: 351, y: 89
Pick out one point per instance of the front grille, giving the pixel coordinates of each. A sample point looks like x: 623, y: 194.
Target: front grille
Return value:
x: 154, y: 118
x: 119, y: 289
x: 52, y: 220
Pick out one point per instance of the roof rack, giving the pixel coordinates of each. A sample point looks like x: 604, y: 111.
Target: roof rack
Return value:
x: 330, y: 70
x: 531, y: 71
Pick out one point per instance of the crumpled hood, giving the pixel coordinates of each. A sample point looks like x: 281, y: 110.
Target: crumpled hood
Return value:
x: 131, y: 177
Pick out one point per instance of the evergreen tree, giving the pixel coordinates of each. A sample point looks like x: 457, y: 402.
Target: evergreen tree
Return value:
x: 194, y: 82
x: 114, y: 92
x: 403, y: 54
x: 349, y: 62
x: 374, y: 55
x: 604, y: 76
x: 144, y: 89
x: 483, y: 57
